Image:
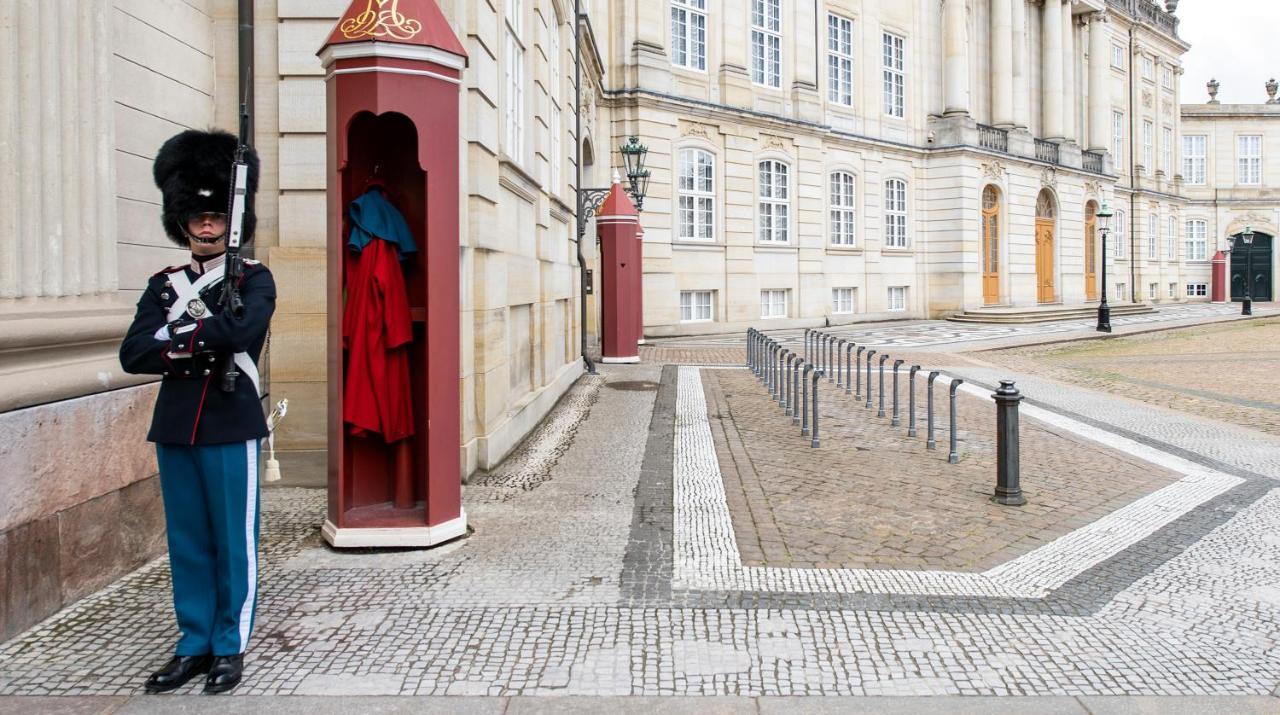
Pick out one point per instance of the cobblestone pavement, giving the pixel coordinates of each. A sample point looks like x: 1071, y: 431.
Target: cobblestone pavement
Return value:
x: 603, y: 563
x: 1230, y: 371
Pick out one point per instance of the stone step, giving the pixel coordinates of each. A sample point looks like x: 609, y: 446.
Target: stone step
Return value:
x: 1044, y: 314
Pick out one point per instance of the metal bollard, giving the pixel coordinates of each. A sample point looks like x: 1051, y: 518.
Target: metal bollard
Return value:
x: 954, y: 456
x: 748, y: 347
x: 787, y: 380
x: 840, y: 343
x: 1008, y: 488
x: 795, y: 391
x: 817, y: 377
x: 911, y: 401
x: 806, y: 342
x: 930, y: 443
x: 832, y: 352
x: 768, y: 364
x: 804, y: 406
x: 870, y: 354
x: 781, y: 379
x: 824, y: 357
x: 882, y: 359
x: 857, y: 372
x: 895, y: 421
x: 751, y: 349
x: 848, y: 368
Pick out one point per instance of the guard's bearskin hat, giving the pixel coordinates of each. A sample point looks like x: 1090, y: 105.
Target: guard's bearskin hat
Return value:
x: 193, y: 172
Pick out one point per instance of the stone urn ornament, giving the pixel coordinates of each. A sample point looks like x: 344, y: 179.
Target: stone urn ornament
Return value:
x: 1212, y: 85
x: 1272, y: 86
x: 1171, y: 6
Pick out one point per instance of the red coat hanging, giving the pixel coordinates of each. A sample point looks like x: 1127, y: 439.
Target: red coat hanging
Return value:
x: 376, y: 327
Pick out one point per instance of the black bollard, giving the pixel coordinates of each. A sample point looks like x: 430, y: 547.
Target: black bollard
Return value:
x: 804, y: 406
x: 1008, y: 478
x: 895, y: 421
x: 817, y: 377
x: 911, y: 401
x: 870, y: 354
x: 857, y: 372
x: 930, y: 442
x: 848, y: 367
x: 832, y: 352
x: 795, y: 391
x: 781, y: 382
x: 882, y: 359
x: 840, y: 343
x: 954, y: 456
x: 786, y: 380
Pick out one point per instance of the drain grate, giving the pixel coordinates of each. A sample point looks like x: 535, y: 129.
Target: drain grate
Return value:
x: 633, y: 385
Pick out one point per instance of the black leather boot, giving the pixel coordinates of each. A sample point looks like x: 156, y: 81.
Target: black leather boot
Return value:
x: 224, y: 674
x: 177, y: 672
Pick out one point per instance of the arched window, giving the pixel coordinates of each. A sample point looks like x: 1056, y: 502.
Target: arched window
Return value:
x: 696, y: 202
x: 775, y: 202
x: 991, y: 230
x: 1118, y: 241
x: 1090, y: 240
x: 895, y: 213
x: 843, y: 210
x: 1045, y: 206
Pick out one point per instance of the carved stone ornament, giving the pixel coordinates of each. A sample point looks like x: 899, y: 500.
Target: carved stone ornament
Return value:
x: 1092, y: 188
x: 1272, y: 86
x: 1212, y: 85
x: 771, y: 141
x: 995, y: 171
x: 693, y: 129
x: 1146, y: 98
x: 1048, y: 177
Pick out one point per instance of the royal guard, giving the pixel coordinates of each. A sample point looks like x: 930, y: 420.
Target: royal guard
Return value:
x: 201, y: 326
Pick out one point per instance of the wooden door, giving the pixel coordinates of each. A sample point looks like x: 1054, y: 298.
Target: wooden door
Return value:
x: 990, y: 246
x: 1044, y: 261
x: 1090, y: 255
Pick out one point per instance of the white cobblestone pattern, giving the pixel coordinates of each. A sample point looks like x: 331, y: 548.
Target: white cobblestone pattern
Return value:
x: 707, y: 555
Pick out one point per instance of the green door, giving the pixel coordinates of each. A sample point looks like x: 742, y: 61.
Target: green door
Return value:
x: 1260, y: 256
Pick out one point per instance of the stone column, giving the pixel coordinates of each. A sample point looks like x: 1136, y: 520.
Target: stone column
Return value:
x: 1069, y: 101
x: 1099, y: 91
x: 1051, y: 70
x: 1021, y: 74
x: 1002, y: 114
x: 956, y: 50
x: 57, y: 199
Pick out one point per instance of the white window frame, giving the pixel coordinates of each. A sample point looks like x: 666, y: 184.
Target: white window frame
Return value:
x: 1153, y: 291
x: 1197, y: 290
x: 514, y: 109
x: 840, y: 54
x: 1173, y: 289
x: 1195, y: 155
x: 773, y: 199
x: 689, y: 34
x: 1166, y: 150
x: 896, y: 234
x: 893, y: 60
x: 692, y: 307
x: 773, y: 304
x: 1148, y: 68
x: 1153, y: 235
x: 1118, y: 237
x: 1197, y: 239
x: 842, y: 208
x: 844, y: 300
x: 896, y: 298
x: 1166, y: 81
x: 1171, y: 238
x: 1117, y: 56
x: 1249, y: 159
x: 766, y: 43
x: 1117, y: 135
x: 695, y: 195
x: 1122, y: 291
x: 1148, y: 146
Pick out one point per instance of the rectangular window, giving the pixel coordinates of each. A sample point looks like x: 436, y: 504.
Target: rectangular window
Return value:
x: 1148, y: 68
x: 1173, y: 290
x: 843, y: 209
x: 1166, y: 150
x: 1153, y: 235
x: 1166, y: 80
x: 773, y: 304
x: 1153, y: 290
x: 514, y: 118
x: 1197, y: 240
x: 555, y: 127
x: 1171, y: 238
x: 895, y: 78
x: 695, y: 306
x: 1197, y: 289
x: 1194, y: 157
x: 775, y: 202
x: 897, y: 297
x: 1117, y: 56
x: 1119, y: 245
x: 842, y: 300
x: 840, y: 60
x: 1122, y: 291
x: 895, y: 213
x: 1249, y: 159
x: 766, y: 42
x: 1117, y: 136
x: 696, y: 200
x: 689, y: 34
x: 1148, y: 148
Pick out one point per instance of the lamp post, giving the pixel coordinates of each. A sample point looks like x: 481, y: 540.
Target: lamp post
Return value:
x: 1247, y: 238
x: 633, y: 154
x: 1104, y: 310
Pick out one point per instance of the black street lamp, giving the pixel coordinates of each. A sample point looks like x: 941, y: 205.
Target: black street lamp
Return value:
x: 1104, y: 310
x: 1247, y: 238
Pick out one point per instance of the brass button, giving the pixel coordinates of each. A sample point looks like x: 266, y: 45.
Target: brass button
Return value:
x: 200, y: 343
x: 206, y: 371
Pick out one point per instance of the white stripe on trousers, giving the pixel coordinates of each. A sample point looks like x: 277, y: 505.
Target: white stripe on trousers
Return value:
x: 251, y: 545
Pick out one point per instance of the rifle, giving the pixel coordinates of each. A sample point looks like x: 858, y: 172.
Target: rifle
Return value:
x: 235, y: 227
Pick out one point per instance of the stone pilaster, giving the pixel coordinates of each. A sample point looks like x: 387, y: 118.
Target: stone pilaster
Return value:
x: 956, y: 50
x: 1069, y: 108
x: 1021, y: 70
x: 1099, y: 97
x: 1051, y: 70
x: 1002, y: 63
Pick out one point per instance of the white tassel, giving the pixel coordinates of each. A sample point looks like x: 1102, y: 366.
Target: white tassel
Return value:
x: 272, y: 472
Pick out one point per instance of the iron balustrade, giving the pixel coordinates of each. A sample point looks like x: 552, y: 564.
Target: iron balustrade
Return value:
x: 1093, y: 161
x: 994, y: 138
x: 1046, y: 151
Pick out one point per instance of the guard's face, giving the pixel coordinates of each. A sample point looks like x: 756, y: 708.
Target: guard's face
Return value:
x: 209, y: 229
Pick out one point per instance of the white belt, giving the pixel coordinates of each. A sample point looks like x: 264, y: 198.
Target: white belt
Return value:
x: 185, y: 291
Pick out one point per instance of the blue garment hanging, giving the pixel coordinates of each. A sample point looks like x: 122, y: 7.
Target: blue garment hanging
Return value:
x: 373, y: 216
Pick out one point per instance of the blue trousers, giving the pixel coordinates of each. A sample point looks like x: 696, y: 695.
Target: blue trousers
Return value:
x: 211, y: 511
